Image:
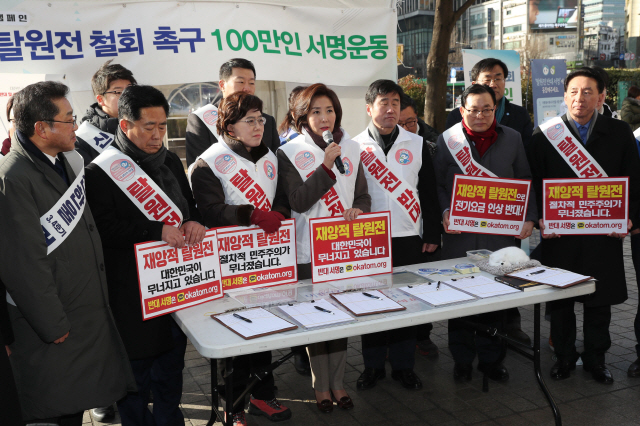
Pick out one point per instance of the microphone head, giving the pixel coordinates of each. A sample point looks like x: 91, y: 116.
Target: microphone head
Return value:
x: 327, y: 136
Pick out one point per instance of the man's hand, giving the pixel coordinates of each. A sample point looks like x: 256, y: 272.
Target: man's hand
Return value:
x: 173, y: 236
x: 445, y: 223
x: 621, y: 235
x: 351, y: 214
x: 193, y: 232
x: 546, y: 236
x: 527, y: 229
x: 62, y: 339
x: 429, y: 248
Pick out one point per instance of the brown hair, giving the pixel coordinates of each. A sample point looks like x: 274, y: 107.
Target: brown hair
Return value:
x: 233, y: 108
x: 302, y: 104
x: 634, y: 92
x: 287, y: 122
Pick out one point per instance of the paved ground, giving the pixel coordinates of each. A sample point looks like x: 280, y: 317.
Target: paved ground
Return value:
x: 442, y: 402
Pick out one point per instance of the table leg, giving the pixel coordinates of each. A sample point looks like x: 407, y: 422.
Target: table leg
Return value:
x: 228, y: 390
x: 536, y: 364
x: 214, y: 393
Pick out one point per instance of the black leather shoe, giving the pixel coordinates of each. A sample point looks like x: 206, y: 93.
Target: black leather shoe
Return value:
x: 516, y: 333
x: 462, y: 372
x: 498, y: 373
x: 301, y: 364
x: 369, y: 378
x: 634, y: 369
x: 600, y: 373
x: 408, y: 379
x: 562, y: 370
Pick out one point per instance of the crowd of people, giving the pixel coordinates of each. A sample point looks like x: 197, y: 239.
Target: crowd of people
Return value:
x: 72, y: 323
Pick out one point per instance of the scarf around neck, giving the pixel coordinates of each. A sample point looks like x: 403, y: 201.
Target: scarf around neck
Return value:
x: 482, y: 140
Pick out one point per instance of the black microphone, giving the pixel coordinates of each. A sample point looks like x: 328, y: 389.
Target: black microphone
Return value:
x: 328, y: 138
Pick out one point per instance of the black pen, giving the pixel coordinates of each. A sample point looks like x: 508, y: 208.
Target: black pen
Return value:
x: 372, y: 296
x: 438, y: 287
x: 324, y: 310
x: 536, y: 272
x: 242, y: 318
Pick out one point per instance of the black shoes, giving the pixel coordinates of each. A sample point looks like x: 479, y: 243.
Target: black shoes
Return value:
x: 369, y: 378
x: 462, y: 372
x: 301, y: 364
x: 408, y: 379
x: 600, y: 373
x: 634, y: 369
x: 562, y: 370
x: 498, y: 373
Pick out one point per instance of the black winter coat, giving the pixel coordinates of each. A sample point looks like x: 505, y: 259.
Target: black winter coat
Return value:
x: 100, y: 119
x: 121, y: 225
x: 613, y: 146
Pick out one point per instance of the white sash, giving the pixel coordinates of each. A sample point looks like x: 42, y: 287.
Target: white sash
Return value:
x: 243, y: 184
x: 571, y: 150
x: 139, y: 187
x: 65, y: 214
x: 637, y: 133
x: 460, y: 150
x: 390, y: 183
x: 209, y: 116
x: 95, y: 137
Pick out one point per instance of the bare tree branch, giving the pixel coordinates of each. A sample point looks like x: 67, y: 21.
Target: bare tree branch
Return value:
x: 458, y: 13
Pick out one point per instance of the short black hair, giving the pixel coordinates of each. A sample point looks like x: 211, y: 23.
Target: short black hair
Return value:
x: 134, y: 98
x: 602, y: 73
x: 407, y: 101
x: 226, y: 69
x: 108, y: 73
x: 477, y: 89
x: 585, y: 72
x: 382, y: 87
x: 487, y: 65
x: 35, y: 103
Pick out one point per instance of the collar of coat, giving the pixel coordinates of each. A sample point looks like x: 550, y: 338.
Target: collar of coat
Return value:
x: 238, y: 148
x: 599, y: 128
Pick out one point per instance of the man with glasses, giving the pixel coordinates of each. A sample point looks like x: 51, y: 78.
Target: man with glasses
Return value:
x: 67, y: 356
x: 100, y: 121
x: 410, y: 121
x: 496, y: 151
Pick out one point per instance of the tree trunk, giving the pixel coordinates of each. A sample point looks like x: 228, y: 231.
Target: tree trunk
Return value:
x: 437, y: 62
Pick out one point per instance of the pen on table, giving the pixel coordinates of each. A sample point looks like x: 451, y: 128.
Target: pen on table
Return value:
x: 371, y: 296
x: 536, y: 272
x: 438, y: 287
x: 242, y: 318
x: 324, y: 310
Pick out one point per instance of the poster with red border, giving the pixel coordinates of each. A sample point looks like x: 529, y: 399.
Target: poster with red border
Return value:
x: 251, y: 258
x: 485, y: 205
x: 171, y: 279
x: 596, y: 206
x: 341, y: 249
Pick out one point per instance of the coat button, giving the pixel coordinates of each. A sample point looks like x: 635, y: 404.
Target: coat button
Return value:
x: 102, y: 266
x: 91, y: 227
x: 145, y: 232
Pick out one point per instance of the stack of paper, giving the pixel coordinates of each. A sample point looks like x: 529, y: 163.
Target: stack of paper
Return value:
x: 481, y: 286
x: 550, y: 276
x: 361, y: 304
x: 252, y: 323
x: 308, y: 315
x: 435, y: 296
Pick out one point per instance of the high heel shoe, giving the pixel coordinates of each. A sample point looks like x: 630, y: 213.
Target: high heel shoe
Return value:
x: 325, y: 406
x: 346, y: 403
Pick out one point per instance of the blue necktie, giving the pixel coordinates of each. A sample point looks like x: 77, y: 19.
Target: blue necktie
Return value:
x: 59, y: 168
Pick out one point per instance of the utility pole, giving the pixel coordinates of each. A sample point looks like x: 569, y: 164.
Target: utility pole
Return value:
x: 580, y: 30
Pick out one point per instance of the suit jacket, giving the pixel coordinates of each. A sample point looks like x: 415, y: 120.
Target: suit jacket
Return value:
x: 64, y: 291
x: 121, y: 225
x: 514, y: 116
x: 613, y: 146
x: 199, y: 137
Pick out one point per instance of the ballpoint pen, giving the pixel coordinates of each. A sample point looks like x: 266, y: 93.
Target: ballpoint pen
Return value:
x: 371, y: 296
x: 438, y: 287
x: 242, y: 318
x: 324, y: 310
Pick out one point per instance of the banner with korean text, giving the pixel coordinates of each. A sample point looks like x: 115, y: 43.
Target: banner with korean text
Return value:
x: 341, y: 249
x: 597, y: 206
x: 488, y: 205
x: 167, y: 43
x: 172, y: 279
x: 547, y: 82
x: 251, y: 258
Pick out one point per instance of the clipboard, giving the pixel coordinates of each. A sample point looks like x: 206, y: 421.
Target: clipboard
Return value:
x: 548, y: 276
x: 336, y: 297
x: 257, y: 316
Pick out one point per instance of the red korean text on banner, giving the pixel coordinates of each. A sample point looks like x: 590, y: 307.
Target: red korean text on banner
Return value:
x: 486, y: 205
x: 171, y: 279
x: 341, y: 249
x: 586, y: 206
x: 251, y: 258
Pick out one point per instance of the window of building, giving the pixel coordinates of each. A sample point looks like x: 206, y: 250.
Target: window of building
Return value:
x: 512, y: 29
x: 512, y: 45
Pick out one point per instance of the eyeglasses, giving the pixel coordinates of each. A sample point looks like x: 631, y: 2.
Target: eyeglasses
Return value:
x: 75, y: 118
x: 252, y: 121
x: 408, y: 123
x: 474, y: 112
x: 488, y: 81
x: 114, y: 92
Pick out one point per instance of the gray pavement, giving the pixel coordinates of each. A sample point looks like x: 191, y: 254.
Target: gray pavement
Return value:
x: 581, y: 400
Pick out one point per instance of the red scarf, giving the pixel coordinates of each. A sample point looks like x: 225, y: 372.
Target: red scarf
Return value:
x: 482, y: 140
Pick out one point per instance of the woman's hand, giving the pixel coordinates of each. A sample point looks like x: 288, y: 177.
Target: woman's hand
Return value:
x: 351, y: 214
x: 331, y: 152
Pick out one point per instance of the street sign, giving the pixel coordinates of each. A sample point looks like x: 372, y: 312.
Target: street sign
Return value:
x: 622, y: 56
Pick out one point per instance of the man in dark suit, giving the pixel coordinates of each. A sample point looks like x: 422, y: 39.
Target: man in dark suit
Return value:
x: 612, y: 145
x: 236, y: 75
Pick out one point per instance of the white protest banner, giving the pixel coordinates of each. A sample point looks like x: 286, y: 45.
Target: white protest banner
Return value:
x: 171, y: 279
x: 174, y: 42
x: 251, y: 258
x: 341, y: 249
